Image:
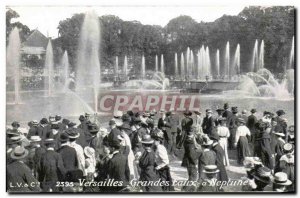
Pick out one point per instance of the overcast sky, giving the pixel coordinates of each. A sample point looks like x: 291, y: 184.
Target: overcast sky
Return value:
x: 46, y: 18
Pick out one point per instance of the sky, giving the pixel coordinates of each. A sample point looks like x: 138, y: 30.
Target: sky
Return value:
x: 46, y: 18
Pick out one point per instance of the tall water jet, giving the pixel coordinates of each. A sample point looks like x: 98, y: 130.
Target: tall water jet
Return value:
x: 188, y: 62
x: 192, y: 64
x: 227, y: 61
x: 13, y: 61
x: 117, y: 66
x: 49, y: 69
x: 254, y: 62
x: 201, y: 63
x: 182, y: 66
x: 292, y: 61
x: 88, y: 63
x: 125, y: 66
x: 236, y: 62
x: 261, y: 55
x: 162, y: 64
x: 65, y: 68
x: 176, y: 65
x: 156, y: 63
x: 143, y: 67
x: 207, y: 62
x: 218, y: 63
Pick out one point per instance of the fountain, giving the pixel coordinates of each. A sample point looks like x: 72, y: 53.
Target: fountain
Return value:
x: 162, y: 64
x: 292, y: 61
x: 13, y: 61
x: 236, y: 61
x: 117, y: 66
x: 143, y: 67
x: 125, y: 67
x: 207, y: 62
x: 191, y: 70
x: 49, y: 63
x: 254, y: 61
x: 261, y: 63
x: 182, y: 66
x: 227, y: 61
x: 156, y: 63
x: 176, y: 65
x: 88, y: 65
x: 66, y: 72
x: 218, y: 63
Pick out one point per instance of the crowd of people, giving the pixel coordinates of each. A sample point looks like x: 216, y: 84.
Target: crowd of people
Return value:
x: 58, y: 155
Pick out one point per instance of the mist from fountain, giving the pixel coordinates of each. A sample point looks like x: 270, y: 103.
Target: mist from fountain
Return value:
x: 236, y: 67
x: 66, y: 70
x: 176, y: 65
x: 49, y: 71
x: 218, y: 63
x: 13, y: 61
x: 162, y: 64
x: 292, y: 61
x: 143, y: 67
x: 182, y: 66
x: 156, y: 63
x: 227, y: 61
x: 261, y: 57
x: 125, y: 66
x: 88, y: 63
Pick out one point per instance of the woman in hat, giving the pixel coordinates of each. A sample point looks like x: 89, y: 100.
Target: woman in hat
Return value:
x: 206, y: 157
x: 18, y: 173
x: 162, y: 160
x: 291, y: 134
x: 224, y: 134
x: 147, y: 162
x: 280, y: 182
x: 232, y: 126
x: 90, y: 162
x: 287, y: 163
x: 241, y: 141
x: 278, y: 149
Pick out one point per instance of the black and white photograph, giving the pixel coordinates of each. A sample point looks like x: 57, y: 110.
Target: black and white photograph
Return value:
x: 150, y: 99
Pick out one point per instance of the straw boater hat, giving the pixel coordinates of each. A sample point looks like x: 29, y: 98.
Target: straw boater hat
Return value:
x: 244, y: 111
x: 146, y: 139
x: 212, y: 169
x: 208, y: 111
x: 19, y: 153
x: 34, y: 122
x: 63, y: 137
x: 72, y: 133
x: 35, y: 138
x: 87, y: 115
x: 146, y: 114
x: 118, y: 114
x: 279, y: 134
x: 14, y: 140
x: 263, y: 174
x: 280, y: 178
x: 288, y: 148
x: 89, y: 151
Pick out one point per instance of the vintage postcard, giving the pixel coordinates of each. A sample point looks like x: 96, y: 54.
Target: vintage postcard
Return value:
x: 150, y: 99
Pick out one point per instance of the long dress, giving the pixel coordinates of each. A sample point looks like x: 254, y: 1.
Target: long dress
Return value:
x: 148, y: 173
x: 224, y: 134
x: 242, y: 143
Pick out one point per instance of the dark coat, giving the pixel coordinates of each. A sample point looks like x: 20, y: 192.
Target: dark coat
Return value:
x: 69, y: 157
x: 32, y: 131
x: 118, y: 170
x: 18, y: 173
x: 207, y: 157
x: 252, y: 120
x: 43, y: 131
x: 263, y: 148
x: 52, y: 170
x: 190, y: 156
x: 222, y: 176
x: 227, y: 114
x: 35, y: 156
x: 186, y: 124
x: 279, y: 153
x: 208, y: 125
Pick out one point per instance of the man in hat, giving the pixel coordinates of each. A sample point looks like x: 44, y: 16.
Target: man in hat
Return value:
x: 208, y: 123
x: 206, y: 157
x: 281, y: 122
x: 15, y: 125
x: 262, y: 177
x: 67, y: 153
x: 52, y: 168
x: 18, y: 173
x: 281, y: 182
x: 186, y: 127
x: 220, y: 112
x: 12, y: 140
x: 43, y: 129
x: 232, y: 125
x: 59, y: 122
x: 287, y: 163
x: 165, y: 125
x: 82, y: 139
x: 220, y: 156
x: 251, y: 121
x: 73, y: 136
x: 208, y: 182
x: 278, y: 149
x: 227, y: 113
x: 33, y: 130
x: 93, y: 141
x: 114, y: 131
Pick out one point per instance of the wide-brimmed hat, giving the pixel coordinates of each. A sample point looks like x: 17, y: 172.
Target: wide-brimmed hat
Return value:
x: 253, y: 110
x: 14, y: 140
x: 280, y: 112
x: 89, y: 151
x: 118, y: 114
x: 87, y: 115
x: 234, y: 109
x: 207, y: 142
x: 162, y: 111
x: 12, y: 132
x: 263, y: 174
x: 197, y: 112
x: 81, y: 118
x: 208, y: 111
x: 220, y: 110
x: 211, y: 169
x: 15, y: 124
x: 279, y: 134
x: 158, y: 134
x: 146, y: 139
x: 241, y: 120
x: 281, y: 178
x: 63, y: 137
x: 72, y: 133
x: 35, y: 138
x: 71, y: 124
x: 57, y: 117
x: 49, y: 141
x: 34, y: 122
x: 214, y: 136
x: 93, y: 128
x: 288, y: 148
x: 19, y: 153
x: 52, y: 118
x: 187, y: 113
